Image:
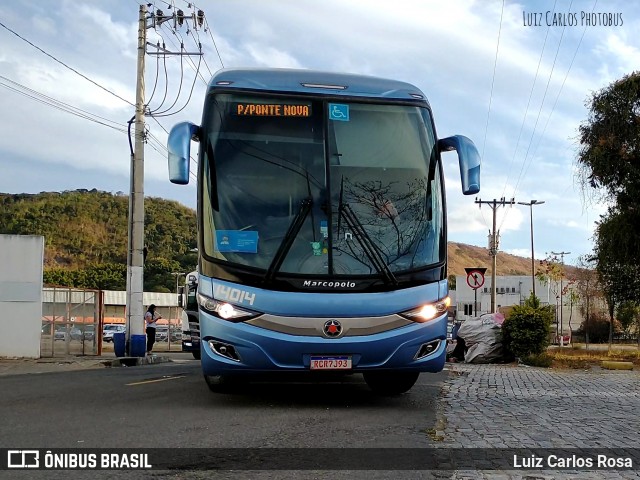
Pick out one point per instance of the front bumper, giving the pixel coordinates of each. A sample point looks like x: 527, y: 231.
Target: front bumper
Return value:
x: 259, y: 350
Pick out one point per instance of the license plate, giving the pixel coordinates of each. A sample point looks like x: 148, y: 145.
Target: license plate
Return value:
x: 330, y: 363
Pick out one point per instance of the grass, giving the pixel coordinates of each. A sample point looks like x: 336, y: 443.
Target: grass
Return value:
x: 579, y: 357
x: 543, y: 360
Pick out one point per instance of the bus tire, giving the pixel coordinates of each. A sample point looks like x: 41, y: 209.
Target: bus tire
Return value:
x: 391, y: 383
x: 196, y: 354
x: 219, y: 383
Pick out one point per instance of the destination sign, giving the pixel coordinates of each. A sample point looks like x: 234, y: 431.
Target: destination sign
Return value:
x: 272, y: 110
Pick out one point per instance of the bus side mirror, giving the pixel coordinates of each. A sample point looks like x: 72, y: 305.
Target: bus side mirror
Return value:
x: 179, y: 147
x: 468, y: 158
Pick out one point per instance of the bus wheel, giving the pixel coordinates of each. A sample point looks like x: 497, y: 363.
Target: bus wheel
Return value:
x: 219, y: 383
x: 196, y: 354
x: 391, y: 383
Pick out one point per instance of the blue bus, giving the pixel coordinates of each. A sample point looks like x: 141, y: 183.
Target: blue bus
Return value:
x: 322, y: 226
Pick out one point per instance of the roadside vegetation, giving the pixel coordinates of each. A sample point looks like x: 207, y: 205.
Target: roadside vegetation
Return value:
x: 579, y: 357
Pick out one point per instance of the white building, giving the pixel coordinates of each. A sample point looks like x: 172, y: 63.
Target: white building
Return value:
x: 514, y: 290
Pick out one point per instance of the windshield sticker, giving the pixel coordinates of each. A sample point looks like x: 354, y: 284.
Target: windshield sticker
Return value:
x: 324, y: 229
x: 339, y: 111
x: 317, y: 248
x: 272, y: 110
x: 238, y: 241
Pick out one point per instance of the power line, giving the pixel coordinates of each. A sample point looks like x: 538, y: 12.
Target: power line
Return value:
x: 155, y: 83
x: 197, y: 40
x: 190, y: 62
x: 544, y: 96
x: 166, y: 78
x: 207, y: 28
x: 65, y: 65
x: 179, y: 87
x: 58, y: 105
x: 524, y: 118
x: 560, y: 90
x: 165, y: 114
x: 495, y: 63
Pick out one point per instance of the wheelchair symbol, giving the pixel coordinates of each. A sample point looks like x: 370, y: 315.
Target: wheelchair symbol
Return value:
x: 338, y: 112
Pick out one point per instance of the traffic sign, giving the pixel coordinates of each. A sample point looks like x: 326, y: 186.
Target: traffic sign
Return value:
x: 475, y: 277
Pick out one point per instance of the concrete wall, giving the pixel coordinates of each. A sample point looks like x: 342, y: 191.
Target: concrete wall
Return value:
x: 21, y: 258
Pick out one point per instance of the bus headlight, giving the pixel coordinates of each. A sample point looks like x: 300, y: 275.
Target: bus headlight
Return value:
x: 429, y: 311
x: 224, y: 310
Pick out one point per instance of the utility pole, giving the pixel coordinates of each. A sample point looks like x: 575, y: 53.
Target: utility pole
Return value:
x: 135, y: 257
x: 494, y: 242
x: 561, y: 254
x: 136, y: 250
x: 533, y: 265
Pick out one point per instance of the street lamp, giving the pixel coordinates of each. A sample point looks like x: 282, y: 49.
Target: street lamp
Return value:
x: 533, y: 267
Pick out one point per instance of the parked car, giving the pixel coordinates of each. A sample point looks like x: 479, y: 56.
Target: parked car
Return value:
x: 60, y: 332
x: 176, y: 335
x: 89, y: 332
x: 109, y: 330
x: 75, y: 333
x: 83, y: 332
x: 161, y: 334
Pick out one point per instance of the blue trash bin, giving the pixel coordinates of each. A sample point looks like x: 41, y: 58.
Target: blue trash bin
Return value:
x: 138, y: 345
x: 119, y: 344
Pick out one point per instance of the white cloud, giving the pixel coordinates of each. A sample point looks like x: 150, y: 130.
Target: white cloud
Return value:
x: 621, y: 57
x: 265, y: 56
x: 465, y: 219
x: 44, y: 25
x: 519, y: 252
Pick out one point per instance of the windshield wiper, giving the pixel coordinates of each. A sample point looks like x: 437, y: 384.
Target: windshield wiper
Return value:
x: 369, y: 248
x: 289, y: 238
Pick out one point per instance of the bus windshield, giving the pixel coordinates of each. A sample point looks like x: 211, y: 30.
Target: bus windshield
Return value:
x: 305, y: 186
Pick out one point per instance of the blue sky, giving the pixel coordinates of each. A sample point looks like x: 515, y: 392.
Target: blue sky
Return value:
x: 522, y: 110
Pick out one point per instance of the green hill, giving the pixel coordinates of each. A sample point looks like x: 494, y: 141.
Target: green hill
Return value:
x: 86, y: 236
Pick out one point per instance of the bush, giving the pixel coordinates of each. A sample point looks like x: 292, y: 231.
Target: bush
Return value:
x: 598, y: 326
x: 541, y: 360
x: 526, y: 331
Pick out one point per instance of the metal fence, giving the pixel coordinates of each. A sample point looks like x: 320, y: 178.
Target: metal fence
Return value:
x: 71, y: 322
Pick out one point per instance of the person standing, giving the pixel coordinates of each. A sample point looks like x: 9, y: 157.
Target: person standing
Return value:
x: 151, y: 317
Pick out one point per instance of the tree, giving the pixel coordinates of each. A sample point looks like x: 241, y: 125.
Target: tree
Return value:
x: 609, y: 163
x: 610, y: 141
x: 158, y: 275
x: 589, y: 291
x: 627, y: 314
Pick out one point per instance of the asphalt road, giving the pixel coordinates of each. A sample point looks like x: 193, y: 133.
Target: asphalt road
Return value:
x: 169, y: 406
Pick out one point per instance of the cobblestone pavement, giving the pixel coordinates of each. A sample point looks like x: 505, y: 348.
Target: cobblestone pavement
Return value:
x: 506, y: 406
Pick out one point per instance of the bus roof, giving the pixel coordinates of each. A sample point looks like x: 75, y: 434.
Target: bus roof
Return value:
x: 315, y: 82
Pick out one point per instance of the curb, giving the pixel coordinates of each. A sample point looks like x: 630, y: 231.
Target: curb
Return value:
x: 614, y: 365
x: 136, y: 361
